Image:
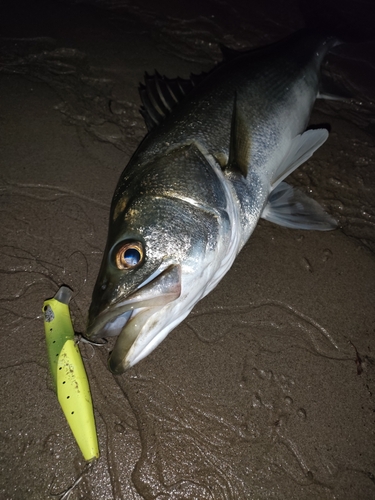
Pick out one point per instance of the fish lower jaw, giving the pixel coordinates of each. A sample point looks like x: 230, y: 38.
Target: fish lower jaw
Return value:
x: 130, y: 338
x: 132, y: 345
x: 109, y: 328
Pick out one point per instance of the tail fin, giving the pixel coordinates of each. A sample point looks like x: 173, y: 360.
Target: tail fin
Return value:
x: 351, y: 22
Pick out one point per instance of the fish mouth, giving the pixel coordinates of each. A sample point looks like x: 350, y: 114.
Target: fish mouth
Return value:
x: 129, y: 318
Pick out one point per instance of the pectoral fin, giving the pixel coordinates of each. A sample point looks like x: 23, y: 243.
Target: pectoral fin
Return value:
x: 290, y: 207
x: 240, y: 142
x: 301, y: 149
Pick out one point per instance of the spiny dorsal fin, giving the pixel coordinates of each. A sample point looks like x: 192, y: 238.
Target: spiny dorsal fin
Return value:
x: 240, y: 142
x: 160, y: 94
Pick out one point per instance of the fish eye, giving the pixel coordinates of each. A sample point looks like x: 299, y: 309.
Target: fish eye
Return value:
x: 129, y: 255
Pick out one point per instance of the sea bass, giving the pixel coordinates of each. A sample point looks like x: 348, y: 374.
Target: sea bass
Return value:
x: 214, y: 161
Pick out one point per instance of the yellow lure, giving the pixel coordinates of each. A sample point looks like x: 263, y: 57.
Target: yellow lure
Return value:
x: 68, y: 373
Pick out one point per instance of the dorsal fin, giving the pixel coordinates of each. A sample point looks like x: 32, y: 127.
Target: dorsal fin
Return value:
x: 160, y: 94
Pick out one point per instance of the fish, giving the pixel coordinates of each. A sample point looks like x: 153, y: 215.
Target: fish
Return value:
x: 214, y: 161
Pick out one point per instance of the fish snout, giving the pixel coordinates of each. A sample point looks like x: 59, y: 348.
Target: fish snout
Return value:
x: 128, y: 317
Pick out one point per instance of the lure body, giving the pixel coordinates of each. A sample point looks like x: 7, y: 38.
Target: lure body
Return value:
x: 68, y: 373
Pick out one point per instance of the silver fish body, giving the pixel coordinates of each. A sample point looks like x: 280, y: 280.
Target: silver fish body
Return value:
x: 196, y: 187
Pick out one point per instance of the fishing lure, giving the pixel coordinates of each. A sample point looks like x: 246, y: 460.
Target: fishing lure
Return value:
x: 68, y: 373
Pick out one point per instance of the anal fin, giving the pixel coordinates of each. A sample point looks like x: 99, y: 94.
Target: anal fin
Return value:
x: 333, y: 97
x: 333, y: 91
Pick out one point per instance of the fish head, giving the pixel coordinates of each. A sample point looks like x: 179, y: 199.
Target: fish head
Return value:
x: 159, y: 258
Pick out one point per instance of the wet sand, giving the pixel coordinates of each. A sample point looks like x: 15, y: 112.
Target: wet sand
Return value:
x: 267, y: 389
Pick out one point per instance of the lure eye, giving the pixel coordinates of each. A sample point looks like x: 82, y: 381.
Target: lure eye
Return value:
x: 129, y: 255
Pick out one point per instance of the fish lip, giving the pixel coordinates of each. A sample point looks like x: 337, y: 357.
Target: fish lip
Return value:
x: 119, y: 361
x: 167, y: 282
x: 122, y: 359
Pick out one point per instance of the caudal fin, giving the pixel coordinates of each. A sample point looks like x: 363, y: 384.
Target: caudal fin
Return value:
x: 350, y: 21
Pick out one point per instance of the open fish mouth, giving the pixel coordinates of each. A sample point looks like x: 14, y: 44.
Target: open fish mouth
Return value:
x: 128, y: 318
